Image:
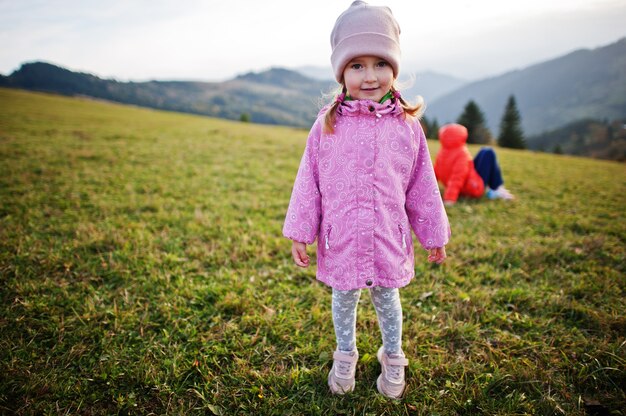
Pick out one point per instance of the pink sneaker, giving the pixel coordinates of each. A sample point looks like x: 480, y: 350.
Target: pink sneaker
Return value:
x: 391, y: 382
x: 341, y: 376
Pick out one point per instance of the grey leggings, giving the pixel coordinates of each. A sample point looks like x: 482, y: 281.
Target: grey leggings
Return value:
x: 388, y: 309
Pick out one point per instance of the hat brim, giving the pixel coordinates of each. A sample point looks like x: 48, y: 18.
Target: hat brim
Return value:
x: 365, y: 44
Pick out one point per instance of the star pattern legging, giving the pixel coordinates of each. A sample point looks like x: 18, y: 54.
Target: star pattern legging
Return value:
x: 388, y: 309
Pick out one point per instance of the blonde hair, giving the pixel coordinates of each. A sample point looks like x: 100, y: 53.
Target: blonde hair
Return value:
x: 411, y: 110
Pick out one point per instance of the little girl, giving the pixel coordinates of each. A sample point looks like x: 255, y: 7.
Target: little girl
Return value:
x: 365, y: 180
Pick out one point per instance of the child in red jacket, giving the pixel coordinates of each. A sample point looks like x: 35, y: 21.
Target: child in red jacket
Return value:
x: 462, y: 175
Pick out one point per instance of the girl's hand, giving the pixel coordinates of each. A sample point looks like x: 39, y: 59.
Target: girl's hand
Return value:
x: 437, y: 255
x: 298, y: 251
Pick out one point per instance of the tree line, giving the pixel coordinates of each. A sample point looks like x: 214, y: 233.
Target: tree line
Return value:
x: 510, y: 135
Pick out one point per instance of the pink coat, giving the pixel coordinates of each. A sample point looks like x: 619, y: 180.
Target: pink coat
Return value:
x: 360, y: 191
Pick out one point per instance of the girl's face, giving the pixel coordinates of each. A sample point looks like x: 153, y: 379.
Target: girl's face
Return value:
x: 368, y: 78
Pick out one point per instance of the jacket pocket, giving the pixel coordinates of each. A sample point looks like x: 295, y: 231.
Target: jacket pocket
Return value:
x: 327, y: 237
x: 402, y: 236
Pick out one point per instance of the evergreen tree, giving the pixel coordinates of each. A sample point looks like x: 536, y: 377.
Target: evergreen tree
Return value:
x: 431, y: 129
x: 511, y: 134
x: 474, y: 121
x: 435, y: 129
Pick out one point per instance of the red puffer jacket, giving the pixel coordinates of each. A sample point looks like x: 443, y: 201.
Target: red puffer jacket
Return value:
x: 454, y: 166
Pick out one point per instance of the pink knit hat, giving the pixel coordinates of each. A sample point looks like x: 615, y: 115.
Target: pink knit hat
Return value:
x: 365, y: 30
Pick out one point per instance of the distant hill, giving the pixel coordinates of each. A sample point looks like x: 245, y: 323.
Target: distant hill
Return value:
x: 595, y: 138
x: 283, y: 78
x: 430, y: 85
x: 322, y: 73
x: 582, y: 84
x: 276, y: 96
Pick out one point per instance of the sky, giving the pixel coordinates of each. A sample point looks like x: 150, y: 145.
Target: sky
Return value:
x: 215, y: 40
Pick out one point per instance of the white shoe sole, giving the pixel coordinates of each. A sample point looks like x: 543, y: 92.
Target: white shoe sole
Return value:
x: 336, y: 388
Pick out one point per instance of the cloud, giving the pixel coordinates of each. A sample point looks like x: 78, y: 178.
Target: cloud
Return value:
x: 212, y: 40
x: 520, y: 41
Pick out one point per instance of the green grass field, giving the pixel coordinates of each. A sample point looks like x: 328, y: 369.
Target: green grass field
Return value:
x: 142, y: 271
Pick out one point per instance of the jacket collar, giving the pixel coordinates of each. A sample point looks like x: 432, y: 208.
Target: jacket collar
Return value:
x: 369, y: 107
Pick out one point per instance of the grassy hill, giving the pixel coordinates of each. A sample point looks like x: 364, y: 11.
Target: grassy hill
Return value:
x: 143, y: 272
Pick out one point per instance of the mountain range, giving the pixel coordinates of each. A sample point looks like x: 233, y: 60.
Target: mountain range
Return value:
x: 276, y: 96
x: 584, y: 84
x: 580, y: 85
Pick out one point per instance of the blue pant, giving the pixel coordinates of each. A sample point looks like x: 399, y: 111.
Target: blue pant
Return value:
x: 487, y: 167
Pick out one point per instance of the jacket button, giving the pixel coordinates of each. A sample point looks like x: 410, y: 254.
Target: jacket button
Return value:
x: 371, y: 108
x: 369, y: 282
